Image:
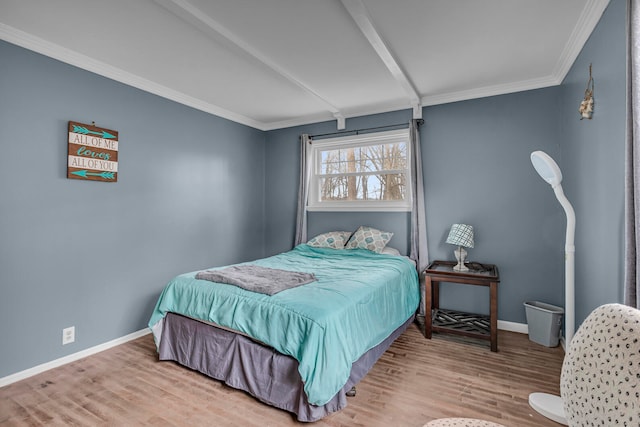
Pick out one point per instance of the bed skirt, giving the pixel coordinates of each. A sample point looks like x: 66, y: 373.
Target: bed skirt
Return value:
x: 261, y: 371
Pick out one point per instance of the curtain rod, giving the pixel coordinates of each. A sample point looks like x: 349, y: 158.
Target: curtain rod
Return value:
x: 357, y: 131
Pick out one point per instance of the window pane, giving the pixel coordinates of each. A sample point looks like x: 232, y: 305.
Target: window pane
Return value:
x: 364, y: 187
x: 366, y: 172
x: 369, y: 158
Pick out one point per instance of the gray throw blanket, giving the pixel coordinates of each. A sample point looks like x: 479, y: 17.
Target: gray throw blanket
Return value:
x: 254, y: 278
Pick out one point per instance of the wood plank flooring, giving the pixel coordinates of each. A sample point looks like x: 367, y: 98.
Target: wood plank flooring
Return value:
x: 415, y: 381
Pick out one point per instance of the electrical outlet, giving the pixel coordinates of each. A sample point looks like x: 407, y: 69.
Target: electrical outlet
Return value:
x: 68, y: 335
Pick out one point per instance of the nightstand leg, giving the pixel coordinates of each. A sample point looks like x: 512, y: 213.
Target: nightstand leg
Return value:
x: 428, y: 307
x: 436, y: 294
x: 494, y: 315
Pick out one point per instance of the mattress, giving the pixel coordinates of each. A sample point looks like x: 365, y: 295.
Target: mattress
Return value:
x: 358, y: 300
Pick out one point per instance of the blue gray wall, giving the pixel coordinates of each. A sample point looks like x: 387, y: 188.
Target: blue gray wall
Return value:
x: 478, y: 172
x: 592, y: 159
x: 96, y: 255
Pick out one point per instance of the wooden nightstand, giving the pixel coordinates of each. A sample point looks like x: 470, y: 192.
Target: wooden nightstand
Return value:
x: 456, y: 322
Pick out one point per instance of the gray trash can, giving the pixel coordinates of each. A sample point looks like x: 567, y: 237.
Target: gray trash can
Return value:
x: 544, y: 322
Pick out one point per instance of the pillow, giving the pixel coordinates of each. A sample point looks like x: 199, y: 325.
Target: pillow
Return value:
x: 369, y: 238
x: 390, y: 251
x: 332, y: 239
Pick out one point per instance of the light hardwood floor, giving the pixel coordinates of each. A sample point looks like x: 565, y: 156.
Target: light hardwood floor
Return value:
x: 415, y: 381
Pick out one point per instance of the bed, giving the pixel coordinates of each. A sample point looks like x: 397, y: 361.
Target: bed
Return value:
x: 303, y: 348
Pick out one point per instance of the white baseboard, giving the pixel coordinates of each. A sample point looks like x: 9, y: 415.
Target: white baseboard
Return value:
x: 502, y: 325
x: 521, y: 328
x: 71, y: 358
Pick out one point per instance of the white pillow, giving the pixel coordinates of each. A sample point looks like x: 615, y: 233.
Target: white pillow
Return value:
x: 390, y: 251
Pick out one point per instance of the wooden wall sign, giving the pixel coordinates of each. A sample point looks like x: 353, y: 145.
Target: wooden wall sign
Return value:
x: 93, y: 153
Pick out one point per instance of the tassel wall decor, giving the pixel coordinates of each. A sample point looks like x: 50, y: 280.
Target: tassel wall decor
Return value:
x: 586, y: 106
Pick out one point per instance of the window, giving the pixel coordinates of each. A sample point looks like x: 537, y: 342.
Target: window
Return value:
x: 361, y: 172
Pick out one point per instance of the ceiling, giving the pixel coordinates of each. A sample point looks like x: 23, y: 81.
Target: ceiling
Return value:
x: 272, y: 64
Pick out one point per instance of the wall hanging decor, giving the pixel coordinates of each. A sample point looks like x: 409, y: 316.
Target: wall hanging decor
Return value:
x: 92, y: 153
x: 586, y: 106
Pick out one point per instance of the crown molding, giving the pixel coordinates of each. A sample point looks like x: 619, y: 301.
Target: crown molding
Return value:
x: 68, y: 56
x: 585, y: 25
x: 487, y: 91
x: 589, y: 18
x: 348, y: 113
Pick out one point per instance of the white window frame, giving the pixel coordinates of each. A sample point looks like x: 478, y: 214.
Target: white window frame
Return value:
x: 378, y: 138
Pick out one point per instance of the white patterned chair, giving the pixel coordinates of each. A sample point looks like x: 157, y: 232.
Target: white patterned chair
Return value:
x: 600, y: 380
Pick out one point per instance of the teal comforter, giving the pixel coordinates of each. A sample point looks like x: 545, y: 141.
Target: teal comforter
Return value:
x: 360, y: 297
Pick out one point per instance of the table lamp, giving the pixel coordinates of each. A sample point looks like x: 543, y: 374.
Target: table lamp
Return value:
x: 461, y: 235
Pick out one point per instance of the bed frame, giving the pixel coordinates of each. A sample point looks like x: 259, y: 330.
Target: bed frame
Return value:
x: 256, y: 368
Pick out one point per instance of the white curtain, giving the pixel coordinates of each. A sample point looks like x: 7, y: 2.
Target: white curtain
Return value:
x: 632, y: 155
x: 303, y: 189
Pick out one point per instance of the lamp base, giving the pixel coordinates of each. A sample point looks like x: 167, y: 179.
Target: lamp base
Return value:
x: 548, y: 405
x: 461, y: 255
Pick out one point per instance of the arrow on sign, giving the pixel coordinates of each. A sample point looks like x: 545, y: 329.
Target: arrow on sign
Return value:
x: 85, y: 173
x: 83, y: 130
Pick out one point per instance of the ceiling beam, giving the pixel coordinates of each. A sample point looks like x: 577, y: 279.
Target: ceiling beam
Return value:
x: 194, y: 16
x: 360, y: 15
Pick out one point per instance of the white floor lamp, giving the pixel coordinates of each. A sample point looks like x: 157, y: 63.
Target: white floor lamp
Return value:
x: 546, y: 404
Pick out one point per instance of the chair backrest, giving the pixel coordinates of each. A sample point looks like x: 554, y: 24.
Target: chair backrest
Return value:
x: 600, y: 381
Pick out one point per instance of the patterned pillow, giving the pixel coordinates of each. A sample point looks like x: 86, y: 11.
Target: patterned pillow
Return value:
x: 369, y: 238
x: 332, y: 239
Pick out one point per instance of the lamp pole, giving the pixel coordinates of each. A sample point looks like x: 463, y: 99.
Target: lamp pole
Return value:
x: 549, y: 405
x: 569, y: 265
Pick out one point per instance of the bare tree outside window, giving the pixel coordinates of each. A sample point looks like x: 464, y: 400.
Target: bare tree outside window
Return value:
x: 371, y: 172
x: 366, y: 172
